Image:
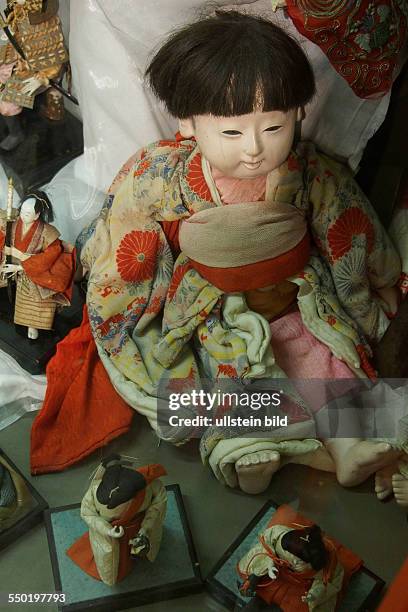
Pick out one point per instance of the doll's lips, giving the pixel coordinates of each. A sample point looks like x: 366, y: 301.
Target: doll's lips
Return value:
x: 252, y: 165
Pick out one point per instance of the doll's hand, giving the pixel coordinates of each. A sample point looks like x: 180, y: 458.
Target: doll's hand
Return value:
x: 116, y: 532
x: 139, y: 546
x: 272, y: 571
x: 32, y: 84
x: 10, y: 269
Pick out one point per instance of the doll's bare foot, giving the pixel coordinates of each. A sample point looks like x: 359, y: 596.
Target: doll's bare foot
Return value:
x: 356, y: 460
x: 32, y: 333
x: 383, y: 481
x: 400, y: 488
x: 255, y: 471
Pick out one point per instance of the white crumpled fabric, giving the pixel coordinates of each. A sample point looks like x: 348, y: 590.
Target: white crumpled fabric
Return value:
x: 20, y: 392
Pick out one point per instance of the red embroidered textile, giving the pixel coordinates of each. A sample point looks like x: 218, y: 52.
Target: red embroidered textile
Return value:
x: 362, y: 39
x: 81, y: 410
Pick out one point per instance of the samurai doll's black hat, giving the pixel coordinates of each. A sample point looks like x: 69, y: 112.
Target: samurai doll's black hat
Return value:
x: 308, y: 545
x: 119, y: 483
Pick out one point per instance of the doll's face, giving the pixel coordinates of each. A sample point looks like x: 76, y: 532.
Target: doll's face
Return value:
x: 244, y: 146
x: 27, y: 211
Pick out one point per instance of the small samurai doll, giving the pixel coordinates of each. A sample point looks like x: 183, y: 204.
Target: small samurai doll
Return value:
x: 296, y: 567
x: 32, y: 53
x: 42, y: 264
x: 124, y: 509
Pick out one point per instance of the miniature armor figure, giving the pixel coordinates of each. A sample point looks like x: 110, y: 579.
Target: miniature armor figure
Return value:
x: 33, y: 54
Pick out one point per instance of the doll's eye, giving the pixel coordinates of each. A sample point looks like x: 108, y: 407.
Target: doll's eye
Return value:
x: 273, y: 128
x: 232, y: 132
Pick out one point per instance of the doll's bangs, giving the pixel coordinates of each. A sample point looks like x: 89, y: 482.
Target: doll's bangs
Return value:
x: 231, y: 64
x: 259, y: 75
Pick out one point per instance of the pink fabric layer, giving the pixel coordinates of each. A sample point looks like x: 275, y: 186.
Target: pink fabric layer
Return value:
x: 236, y: 191
x: 303, y: 357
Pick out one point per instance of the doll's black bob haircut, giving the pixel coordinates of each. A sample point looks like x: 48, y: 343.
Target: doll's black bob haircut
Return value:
x: 230, y: 64
x: 42, y: 204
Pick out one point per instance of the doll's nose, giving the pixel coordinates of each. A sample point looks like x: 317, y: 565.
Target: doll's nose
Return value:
x: 253, y: 145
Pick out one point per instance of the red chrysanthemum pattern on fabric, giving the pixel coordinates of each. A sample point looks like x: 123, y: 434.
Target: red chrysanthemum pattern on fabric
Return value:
x: 227, y: 370
x: 155, y: 305
x: 351, y: 223
x: 136, y: 255
x: 196, y: 181
x: 177, y: 278
x: 144, y: 165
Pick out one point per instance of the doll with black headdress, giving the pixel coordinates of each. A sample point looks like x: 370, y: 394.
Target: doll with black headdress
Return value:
x: 124, y: 508
x: 42, y: 267
x: 296, y: 566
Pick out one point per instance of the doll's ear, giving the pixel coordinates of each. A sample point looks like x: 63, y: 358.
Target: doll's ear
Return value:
x: 300, y: 113
x: 186, y: 127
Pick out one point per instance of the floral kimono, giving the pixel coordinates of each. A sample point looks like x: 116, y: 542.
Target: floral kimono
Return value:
x: 158, y: 313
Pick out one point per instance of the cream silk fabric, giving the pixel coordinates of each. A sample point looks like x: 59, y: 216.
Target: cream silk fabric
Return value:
x: 215, y: 236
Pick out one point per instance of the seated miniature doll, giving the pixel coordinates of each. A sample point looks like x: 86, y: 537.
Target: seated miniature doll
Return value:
x: 43, y: 269
x: 234, y: 252
x: 124, y: 508
x: 295, y: 567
